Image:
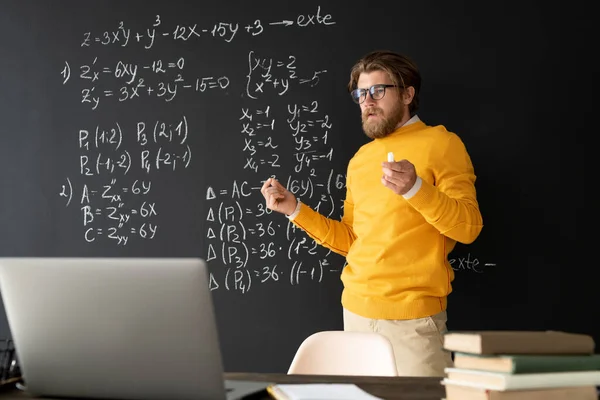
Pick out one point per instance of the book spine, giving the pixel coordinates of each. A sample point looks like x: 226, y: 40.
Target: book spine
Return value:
x: 550, y: 364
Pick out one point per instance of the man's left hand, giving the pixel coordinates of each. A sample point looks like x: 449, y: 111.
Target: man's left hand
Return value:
x: 399, y: 176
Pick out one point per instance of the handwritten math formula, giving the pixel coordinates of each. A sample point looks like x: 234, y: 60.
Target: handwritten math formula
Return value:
x: 226, y: 31
x: 125, y: 202
x: 113, y: 185
x: 164, y: 79
x: 240, y: 236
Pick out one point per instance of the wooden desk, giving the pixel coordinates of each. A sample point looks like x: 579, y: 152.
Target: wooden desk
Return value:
x: 388, y: 388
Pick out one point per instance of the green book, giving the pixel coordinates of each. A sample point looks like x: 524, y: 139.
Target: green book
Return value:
x: 527, y: 363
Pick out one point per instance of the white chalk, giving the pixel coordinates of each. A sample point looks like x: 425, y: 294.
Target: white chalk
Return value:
x: 390, y: 157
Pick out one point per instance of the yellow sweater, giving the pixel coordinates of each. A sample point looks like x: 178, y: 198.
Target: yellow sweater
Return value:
x: 397, y: 249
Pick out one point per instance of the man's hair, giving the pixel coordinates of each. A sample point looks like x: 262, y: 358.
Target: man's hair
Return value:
x: 402, y: 71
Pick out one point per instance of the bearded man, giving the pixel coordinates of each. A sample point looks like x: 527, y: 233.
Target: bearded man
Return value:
x: 402, y: 216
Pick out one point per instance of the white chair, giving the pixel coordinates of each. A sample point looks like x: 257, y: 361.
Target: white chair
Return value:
x: 345, y: 353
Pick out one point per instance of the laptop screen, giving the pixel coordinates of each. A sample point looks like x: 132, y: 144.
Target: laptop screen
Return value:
x: 127, y: 328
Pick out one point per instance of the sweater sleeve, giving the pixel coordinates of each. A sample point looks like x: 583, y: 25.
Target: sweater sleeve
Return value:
x: 451, y: 204
x: 335, y: 235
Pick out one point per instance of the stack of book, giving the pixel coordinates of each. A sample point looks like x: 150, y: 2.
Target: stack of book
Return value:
x: 521, y: 365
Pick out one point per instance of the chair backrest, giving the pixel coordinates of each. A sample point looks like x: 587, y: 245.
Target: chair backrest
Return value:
x: 344, y: 353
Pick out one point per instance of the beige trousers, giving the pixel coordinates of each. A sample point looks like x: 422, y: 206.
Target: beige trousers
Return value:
x: 417, y: 343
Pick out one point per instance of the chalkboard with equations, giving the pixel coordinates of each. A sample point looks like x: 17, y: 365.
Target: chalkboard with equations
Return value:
x: 146, y: 129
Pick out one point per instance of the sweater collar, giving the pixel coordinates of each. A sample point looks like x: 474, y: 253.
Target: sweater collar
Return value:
x: 413, y: 123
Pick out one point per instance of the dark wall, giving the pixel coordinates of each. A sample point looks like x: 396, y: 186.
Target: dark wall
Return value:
x: 146, y: 128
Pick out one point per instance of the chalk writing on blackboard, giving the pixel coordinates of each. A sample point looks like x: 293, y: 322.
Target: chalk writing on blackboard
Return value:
x: 165, y: 80
x: 113, y: 185
x: 223, y: 30
x: 469, y: 263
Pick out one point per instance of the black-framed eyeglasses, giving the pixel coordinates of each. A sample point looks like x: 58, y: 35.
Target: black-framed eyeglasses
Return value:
x: 376, y: 91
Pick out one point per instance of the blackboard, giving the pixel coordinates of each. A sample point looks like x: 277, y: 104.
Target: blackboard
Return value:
x: 145, y: 128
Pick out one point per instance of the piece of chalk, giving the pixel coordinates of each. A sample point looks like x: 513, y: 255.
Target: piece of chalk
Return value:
x: 390, y: 157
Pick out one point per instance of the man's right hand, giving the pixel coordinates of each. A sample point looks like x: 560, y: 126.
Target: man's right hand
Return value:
x: 277, y: 197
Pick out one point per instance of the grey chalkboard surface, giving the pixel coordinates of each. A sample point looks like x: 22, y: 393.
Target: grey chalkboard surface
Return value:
x: 145, y: 128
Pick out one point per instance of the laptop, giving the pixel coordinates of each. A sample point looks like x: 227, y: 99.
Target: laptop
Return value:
x: 114, y: 328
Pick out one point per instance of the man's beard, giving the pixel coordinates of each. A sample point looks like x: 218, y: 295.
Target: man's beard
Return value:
x: 383, y: 126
